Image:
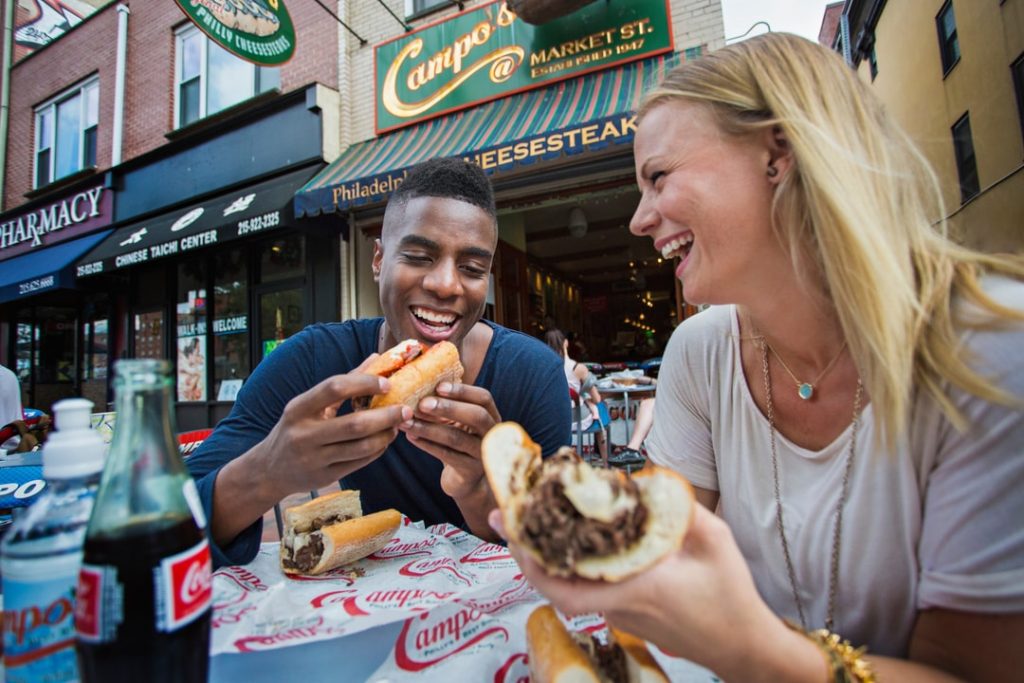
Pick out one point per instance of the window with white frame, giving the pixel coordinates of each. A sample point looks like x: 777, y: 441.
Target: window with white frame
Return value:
x: 66, y: 133
x: 208, y: 78
x: 416, y: 7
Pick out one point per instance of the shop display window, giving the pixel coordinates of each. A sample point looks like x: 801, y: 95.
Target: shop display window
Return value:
x: 26, y: 355
x: 55, y: 345
x: 282, y: 314
x: 230, y: 324
x: 282, y: 259
x: 149, y: 334
x: 191, y: 312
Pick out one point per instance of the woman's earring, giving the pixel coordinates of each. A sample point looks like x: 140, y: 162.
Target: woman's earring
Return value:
x: 772, y: 171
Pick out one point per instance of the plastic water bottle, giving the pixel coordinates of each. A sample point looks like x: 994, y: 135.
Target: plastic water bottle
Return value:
x: 41, y: 554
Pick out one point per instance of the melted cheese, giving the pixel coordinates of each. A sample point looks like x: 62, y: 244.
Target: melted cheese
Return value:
x: 592, y: 495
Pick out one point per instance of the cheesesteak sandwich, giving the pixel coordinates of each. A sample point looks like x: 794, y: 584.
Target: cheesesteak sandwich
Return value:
x: 584, y: 521
x: 558, y: 656
x: 330, y: 531
x: 414, y: 371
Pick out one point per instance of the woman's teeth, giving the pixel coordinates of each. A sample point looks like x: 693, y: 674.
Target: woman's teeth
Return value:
x: 677, y: 247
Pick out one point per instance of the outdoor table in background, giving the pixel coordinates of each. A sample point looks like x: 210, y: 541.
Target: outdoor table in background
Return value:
x: 435, y: 604
x: 612, y: 389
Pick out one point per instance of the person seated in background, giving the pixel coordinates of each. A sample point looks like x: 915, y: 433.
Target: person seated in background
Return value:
x: 292, y: 427
x: 632, y: 454
x: 852, y: 403
x: 584, y: 384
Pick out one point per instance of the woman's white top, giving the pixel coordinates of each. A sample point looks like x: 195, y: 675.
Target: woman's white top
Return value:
x: 939, y: 522
x: 576, y: 385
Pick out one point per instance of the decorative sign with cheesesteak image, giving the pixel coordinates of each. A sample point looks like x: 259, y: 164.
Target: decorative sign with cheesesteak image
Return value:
x: 258, y: 31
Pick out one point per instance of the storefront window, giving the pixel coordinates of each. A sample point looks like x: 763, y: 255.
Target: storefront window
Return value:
x: 282, y: 314
x: 25, y: 348
x: 55, y: 360
x: 191, y: 331
x: 283, y: 258
x: 230, y: 324
x: 149, y: 334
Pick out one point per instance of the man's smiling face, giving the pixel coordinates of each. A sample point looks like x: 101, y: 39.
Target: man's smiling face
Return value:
x: 432, y: 264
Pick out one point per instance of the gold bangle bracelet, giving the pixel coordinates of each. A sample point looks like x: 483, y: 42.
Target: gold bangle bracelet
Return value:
x: 846, y: 663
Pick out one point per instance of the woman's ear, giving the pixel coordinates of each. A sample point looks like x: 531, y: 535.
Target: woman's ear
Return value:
x: 779, y: 154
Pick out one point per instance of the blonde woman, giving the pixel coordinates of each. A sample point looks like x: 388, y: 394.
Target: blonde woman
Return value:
x: 852, y: 406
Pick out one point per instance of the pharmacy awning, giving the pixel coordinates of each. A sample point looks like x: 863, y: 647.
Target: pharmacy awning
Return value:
x: 44, y: 269
x: 584, y: 114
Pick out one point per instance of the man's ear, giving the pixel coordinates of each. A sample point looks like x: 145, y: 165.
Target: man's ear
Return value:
x: 779, y: 154
x: 378, y: 256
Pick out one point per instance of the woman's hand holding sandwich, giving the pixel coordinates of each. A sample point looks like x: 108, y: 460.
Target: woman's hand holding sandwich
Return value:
x: 310, y: 447
x: 699, y: 602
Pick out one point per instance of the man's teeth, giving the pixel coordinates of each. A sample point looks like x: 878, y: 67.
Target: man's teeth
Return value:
x: 431, y: 316
x: 671, y: 249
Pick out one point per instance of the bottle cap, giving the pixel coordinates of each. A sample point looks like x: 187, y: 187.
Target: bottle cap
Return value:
x: 73, y: 450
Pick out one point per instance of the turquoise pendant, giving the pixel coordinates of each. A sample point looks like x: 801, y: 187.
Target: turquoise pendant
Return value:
x: 805, y: 391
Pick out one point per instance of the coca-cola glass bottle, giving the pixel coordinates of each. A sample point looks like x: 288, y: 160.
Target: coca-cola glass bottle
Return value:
x: 143, y: 603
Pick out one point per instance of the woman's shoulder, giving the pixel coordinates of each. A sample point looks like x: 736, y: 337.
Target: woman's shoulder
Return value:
x: 712, y: 327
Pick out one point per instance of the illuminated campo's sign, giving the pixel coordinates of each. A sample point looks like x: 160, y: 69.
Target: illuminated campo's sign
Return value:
x: 258, y: 31
x: 487, y: 52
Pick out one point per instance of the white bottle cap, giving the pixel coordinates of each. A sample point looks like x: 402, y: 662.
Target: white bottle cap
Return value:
x: 73, y: 450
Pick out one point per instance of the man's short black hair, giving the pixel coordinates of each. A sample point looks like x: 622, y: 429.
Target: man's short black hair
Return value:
x: 449, y: 178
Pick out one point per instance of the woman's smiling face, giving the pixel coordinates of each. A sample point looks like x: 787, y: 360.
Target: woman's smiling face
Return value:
x: 706, y: 202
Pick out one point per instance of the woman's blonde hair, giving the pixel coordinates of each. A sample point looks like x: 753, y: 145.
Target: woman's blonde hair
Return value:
x: 859, y: 206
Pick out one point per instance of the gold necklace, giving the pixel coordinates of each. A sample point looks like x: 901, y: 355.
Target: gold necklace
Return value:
x: 805, y: 390
x: 833, y: 577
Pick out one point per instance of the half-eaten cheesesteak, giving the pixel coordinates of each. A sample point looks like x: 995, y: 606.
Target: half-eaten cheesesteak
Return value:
x: 579, y: 520
x: 330, y: 531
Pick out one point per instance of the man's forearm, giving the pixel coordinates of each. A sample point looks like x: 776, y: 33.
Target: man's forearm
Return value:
x: 240, y: 497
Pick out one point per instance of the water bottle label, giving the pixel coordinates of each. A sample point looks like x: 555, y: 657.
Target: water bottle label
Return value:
x: 39, y: 628
x: 100, y: 607
x: 184, y: 588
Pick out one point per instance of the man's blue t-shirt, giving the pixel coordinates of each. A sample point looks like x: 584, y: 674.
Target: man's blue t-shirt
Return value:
x: 525, y: 378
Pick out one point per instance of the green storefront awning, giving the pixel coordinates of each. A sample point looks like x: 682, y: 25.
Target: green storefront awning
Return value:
x: 582, y: 114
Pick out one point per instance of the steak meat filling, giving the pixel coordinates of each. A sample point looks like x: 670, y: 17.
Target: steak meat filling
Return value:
x: 309, y: 554
x: 563, y: 536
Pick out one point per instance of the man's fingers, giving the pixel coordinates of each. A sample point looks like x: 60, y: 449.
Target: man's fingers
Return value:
x: 361, y: 425
x: 458, y: 393
x: 333, y: 391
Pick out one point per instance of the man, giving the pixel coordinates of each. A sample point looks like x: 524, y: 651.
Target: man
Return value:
x: 292, y: 428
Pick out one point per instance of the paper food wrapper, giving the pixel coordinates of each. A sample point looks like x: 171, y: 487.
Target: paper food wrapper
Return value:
x: 459, y: 605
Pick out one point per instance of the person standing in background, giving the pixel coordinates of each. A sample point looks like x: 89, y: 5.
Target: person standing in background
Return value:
x: 10, y: 403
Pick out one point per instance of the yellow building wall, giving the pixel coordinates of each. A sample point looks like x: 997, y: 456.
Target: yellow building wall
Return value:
x: 911, y: 83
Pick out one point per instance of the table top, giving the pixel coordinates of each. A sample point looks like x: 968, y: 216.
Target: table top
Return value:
x: 434, y: 601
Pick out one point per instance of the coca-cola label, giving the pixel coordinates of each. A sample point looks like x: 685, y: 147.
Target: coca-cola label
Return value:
x: 184, y: 587
x: 99, y: 603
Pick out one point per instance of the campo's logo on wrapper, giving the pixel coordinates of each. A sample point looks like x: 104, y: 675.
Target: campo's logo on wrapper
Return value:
x: 398, y: 548
x: 382, y: 600
x: 521, y: 592
x: 427, y: 639
x: 184, y: 587
x: 489, y: 553
x: 515, y: 670
x: 308, y: 632
x: 444, y: 565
